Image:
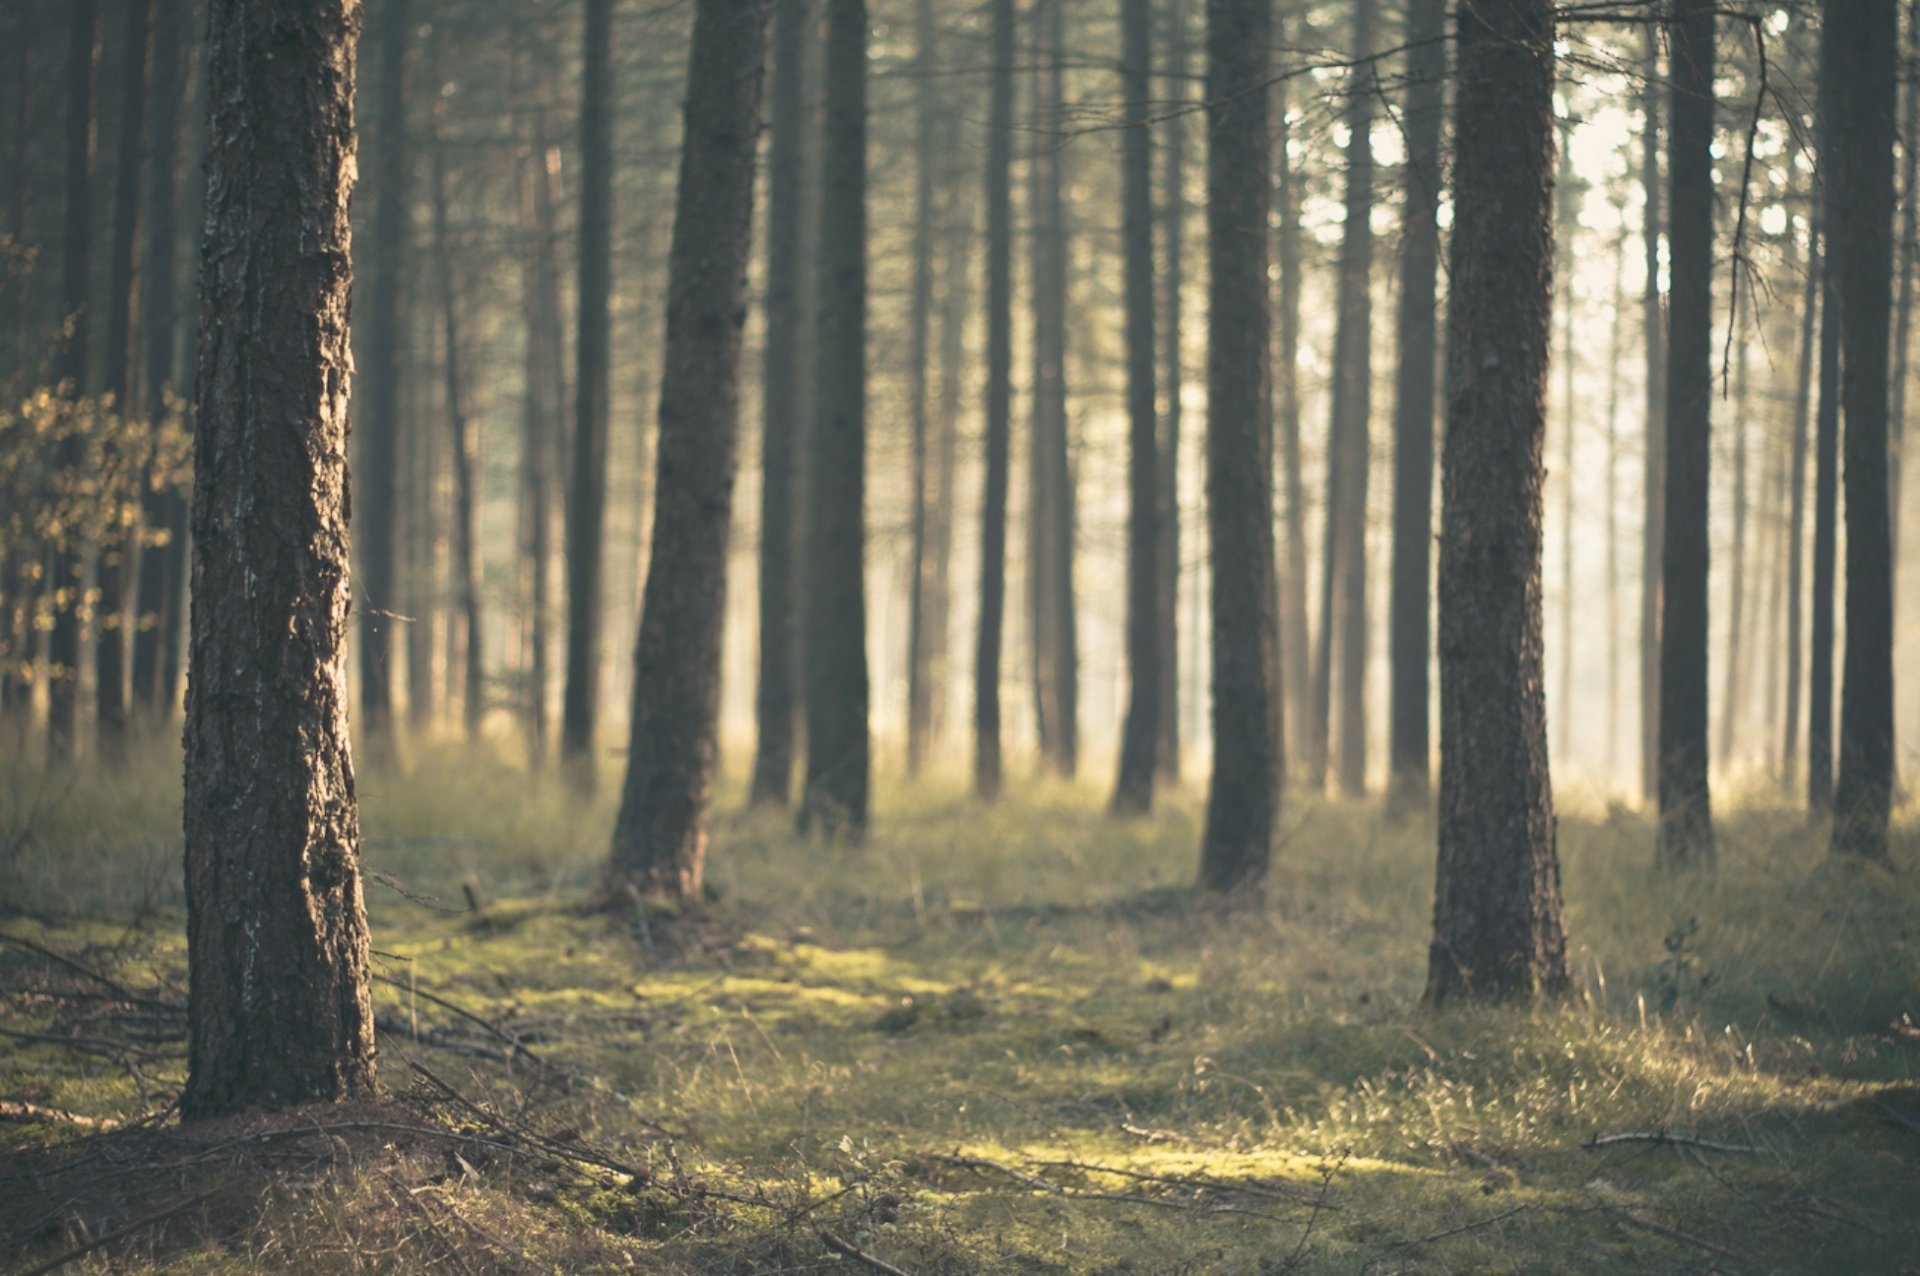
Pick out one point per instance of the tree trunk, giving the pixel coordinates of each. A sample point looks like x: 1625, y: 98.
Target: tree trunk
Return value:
x: 919, y: 372
x: 999, y: 404
x: 660, y: 837
x: 1737, y: 591
x: 279, y: 1011
x: 954, y: 306
x: 463, y: 442
x: 1298, y: 687
x: 834, y: 609
x: 116, y: 570
x: 67, y: 578
x: 1133, y: 791
x: 1244, y: 795
x: 1859, y: 64
x: 1686, y: 809
x: 1908, y: 251
x: 382, y: 355
x: 541, y: 427
x: 1655, y: 478
x: 1410, y: 643
x: 1826, y: 487
x: 1167, y: 639
x: 1567, y: 218
x: 587, y: 496
x: 1797, y: 483
x: 158, y: 599
x: 1614, y: 355
x: 1497, y: 927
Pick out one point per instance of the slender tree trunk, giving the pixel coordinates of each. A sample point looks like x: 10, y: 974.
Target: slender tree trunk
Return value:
x: 1248, y: 754
x: 1133, y: 791
x: 1686, y: 811
x: 587, y: 497
x: 116, y: 571
x: 69, y: 372
x: 1497, y: 926
x: 15, y: 274
x: 279, y: 1011
x: 919, y: 392
x: 1614, y: 356
x: 158, y: 598
x: 1826, y: 486
x: 956, y: 300
x: 999, y: 403
x: 1797, y: 484
x: 1299, y: 686
x: 834, y: 609
x: 1737, y: 600
x: 1654, y: 324
x: 1174, y: 212
x: 540, y: 426
x: 382, y: 355
x: 463, y: 443
x: 419, y: 585
x: 1859, y: 54
x: 1567, y: 217
x: 1409, y: 639
x: 1908, y: 250
x: 660, y: 837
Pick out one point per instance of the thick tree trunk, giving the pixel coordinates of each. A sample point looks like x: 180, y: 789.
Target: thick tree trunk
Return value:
x: 117, y: 571
x: 1409, y: 640
x: 1167, y: 640
x: 67, y: 577
x: 1497, y: 927
x: 381, y: 351
x: 660, y: 837
x: 987, y: 765
x: 1686, y: 808
x: 587, y: 494
x: 158, y: 597
x: 834, y: 609
x: 1244, y: 795
x: 1654, y: 481
x: 1133, y: 790
x: 1859, y: 53
x: 279, y: 1011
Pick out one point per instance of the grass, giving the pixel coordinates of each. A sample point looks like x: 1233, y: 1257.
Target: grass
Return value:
x: 1008, y: 1039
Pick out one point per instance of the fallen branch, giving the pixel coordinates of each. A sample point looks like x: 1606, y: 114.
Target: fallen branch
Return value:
x: 1667, y: 1138
x: 858, y: 1255
x: 37, y: 1114
x: 1461, y: 1230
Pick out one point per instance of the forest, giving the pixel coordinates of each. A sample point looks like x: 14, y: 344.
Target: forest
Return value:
x: 958, y: 636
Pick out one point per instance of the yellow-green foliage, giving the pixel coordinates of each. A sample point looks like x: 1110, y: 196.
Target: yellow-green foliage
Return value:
x: 1016, y: 1042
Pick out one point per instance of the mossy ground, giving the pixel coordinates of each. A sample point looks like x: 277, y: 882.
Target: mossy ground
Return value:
x: 1010, y: 1040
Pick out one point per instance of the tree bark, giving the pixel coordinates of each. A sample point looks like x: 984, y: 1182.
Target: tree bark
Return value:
x: 1167, y: 642
x: 660, y: 836
x: 1244, y: 795
x: 1567, y: 217
x: 1409, y: 639
x: 1653, y: 317
x: 987, y: 765
x: 1497, y: 925
x: 1133, y: 790
x: 1860, y: 50
x: 1826, y: 484
x: 541, y: 427
x: 279, y: 1011
x: 834, y: 609
x: 1686, y: 809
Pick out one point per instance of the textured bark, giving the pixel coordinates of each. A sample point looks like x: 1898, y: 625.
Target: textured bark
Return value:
x: 1859, y: 65
x: 382, y: 353
x: 919, y: 392
x: 1497, y: 928
x: 1167, y: 644
x: 1686, y: 809
x: 1244, y: 795
x: 1409, y: 639
x: 782, y: 406
x: 834, y: 609
x: 660, y: 836
x: 67, y: 576
x: 279, y: 1011
x: 116, y: 572
x: 587, y: 493
x: 159, y: 598
x: 999, y: 409
x: 1133, y: 790
x: 1654, y: 483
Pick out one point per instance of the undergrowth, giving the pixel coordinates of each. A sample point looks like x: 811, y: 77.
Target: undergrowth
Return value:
x: 990, y: 1040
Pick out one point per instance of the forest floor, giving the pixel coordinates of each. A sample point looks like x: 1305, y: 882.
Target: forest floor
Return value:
x: 991, y: 1040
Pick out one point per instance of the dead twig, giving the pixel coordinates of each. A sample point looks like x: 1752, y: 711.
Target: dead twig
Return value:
x: 1667, y: 1138
x: 847, y: 1248
x: 1461, y: 1230
x: 37, y: 1114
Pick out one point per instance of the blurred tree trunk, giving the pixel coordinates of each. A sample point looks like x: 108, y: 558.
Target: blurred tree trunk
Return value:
x: 279, y: 1011
x: 919, y: 371
x: 1298, y: 685
x: 834, y: 606
x: 1615, y: 342
x: 419, y: 533
x: 541, y: 425
x: 117, y: 553
x: 15, y: 274
x: 1133, y: 790
x: 161, y: 567
x: 1567, y: 231
x: 783, y: 407
x: 1737, y: 590
x: 1686, y: 811
x: 1167, y: 582
x: 464, y: 446
x: 67, y: 575
x: 587, y: 494
x: 660, y: 836
x: 1248, y: 753
x: 382, y: 354
x: 1497, y: 924
x: 999, y: 408
x: 1826, y: 483
x: 1908, y: 249
x: 956, y: 301
x: 1810, y: 303
x: 1410, y: 642
x: 1859, y: 56
x: 1654, y: 325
